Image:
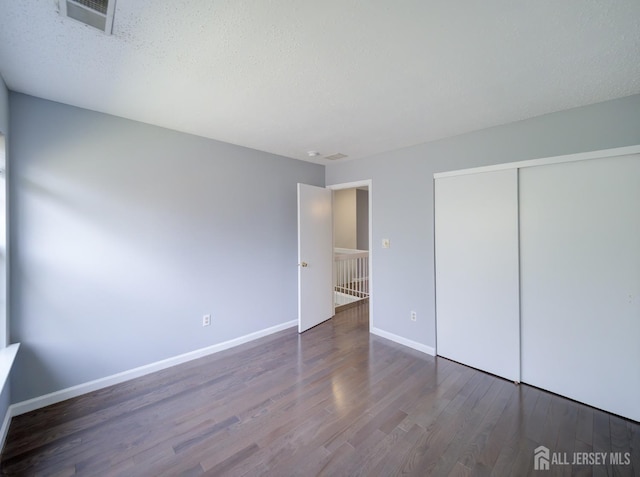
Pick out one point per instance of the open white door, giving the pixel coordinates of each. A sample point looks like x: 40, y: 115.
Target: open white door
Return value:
x: 315, y: 256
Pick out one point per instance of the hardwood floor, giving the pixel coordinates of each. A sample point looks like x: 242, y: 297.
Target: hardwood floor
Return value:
x: 333, y: 401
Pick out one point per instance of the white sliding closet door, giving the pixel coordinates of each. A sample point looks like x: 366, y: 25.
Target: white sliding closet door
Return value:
x: 477, y: 287
x: 580, y: 275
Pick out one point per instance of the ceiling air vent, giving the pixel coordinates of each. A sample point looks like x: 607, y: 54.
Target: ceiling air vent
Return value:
x: 335, y: 157
x: 95, y: 13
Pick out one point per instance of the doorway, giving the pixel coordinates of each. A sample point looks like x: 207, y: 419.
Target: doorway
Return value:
x: 352, y: 231
x: 316, y: 256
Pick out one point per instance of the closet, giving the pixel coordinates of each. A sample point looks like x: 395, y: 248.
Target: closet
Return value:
x: 476, y: 220
x: 538, y: 274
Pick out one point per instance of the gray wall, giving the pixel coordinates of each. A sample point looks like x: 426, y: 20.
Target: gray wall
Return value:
x: 362, y: 219
x: 4, y: 129
x: 4, y: 108
x: 345, y: 234
x: 125, y: 234
x: 402, y: 197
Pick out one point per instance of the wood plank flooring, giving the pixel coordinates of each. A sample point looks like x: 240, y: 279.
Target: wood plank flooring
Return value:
x: 333, y: 401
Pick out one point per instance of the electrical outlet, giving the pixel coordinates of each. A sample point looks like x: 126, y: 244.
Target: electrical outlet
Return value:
x: 414, y: 315
x: 206, y: 320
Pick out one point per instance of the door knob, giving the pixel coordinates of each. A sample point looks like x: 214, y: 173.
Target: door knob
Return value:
x: 304, y: 264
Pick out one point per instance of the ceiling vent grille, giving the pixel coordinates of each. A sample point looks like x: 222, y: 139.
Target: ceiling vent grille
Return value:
x: 335, y: 157
x: 95, y: 13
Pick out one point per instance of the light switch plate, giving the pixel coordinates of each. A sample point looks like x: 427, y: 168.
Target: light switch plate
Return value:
x: 386, y: 243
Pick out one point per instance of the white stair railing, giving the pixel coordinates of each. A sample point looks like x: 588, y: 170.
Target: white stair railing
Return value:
x: 351, y: 275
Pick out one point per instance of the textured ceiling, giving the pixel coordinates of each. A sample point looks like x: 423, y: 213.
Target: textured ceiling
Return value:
x: 356, y: 77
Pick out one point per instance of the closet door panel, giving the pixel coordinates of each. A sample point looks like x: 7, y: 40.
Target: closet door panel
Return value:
x: 477, y: 306
x: 580, y: 281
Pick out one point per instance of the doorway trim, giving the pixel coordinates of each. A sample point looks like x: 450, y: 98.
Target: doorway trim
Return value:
x: 353, y: 185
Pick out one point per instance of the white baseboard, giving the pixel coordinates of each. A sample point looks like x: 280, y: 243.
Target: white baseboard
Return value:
x: 74, y: 391
x: 404, y: 341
